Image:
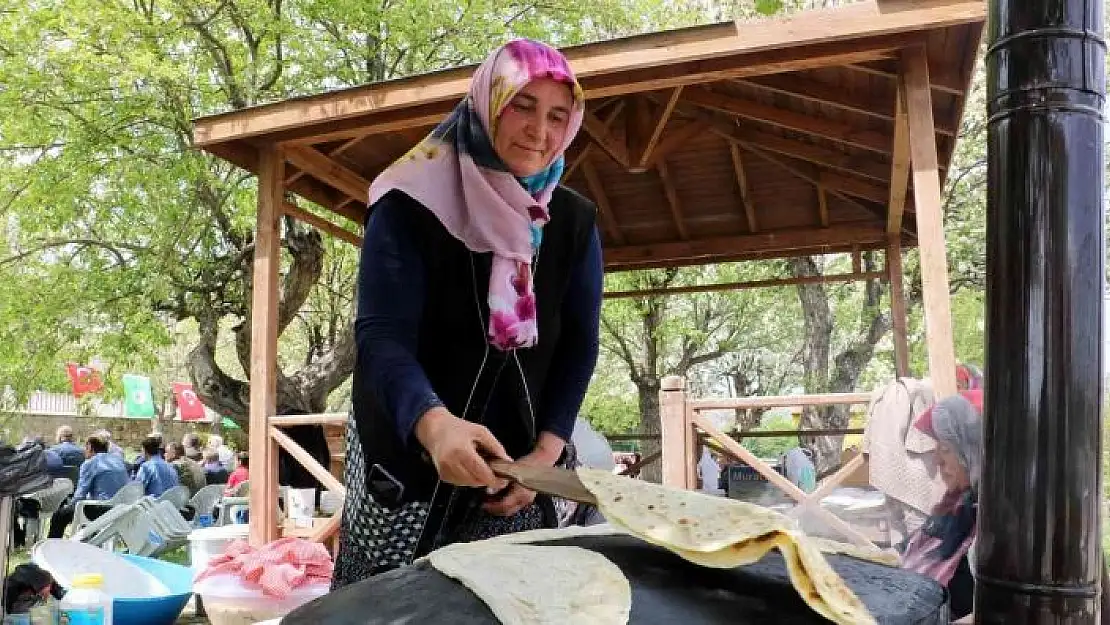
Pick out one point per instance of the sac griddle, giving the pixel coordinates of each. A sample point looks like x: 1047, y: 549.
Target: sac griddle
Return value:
x: 665, y: 590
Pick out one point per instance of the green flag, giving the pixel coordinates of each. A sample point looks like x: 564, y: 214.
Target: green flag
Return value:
x: 138, y: 401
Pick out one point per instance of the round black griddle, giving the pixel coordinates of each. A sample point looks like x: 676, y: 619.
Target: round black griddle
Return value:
x: 665, y: 590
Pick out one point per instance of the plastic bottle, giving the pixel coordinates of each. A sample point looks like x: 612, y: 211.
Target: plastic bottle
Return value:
x: 86, y: 603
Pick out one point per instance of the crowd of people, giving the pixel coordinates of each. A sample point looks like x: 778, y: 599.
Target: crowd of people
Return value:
x: 100, y: 469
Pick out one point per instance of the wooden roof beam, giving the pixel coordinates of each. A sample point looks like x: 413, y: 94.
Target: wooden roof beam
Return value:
x: 798, y: 122
x: 766, y: 242
x: 748, y: 284
x: 346, y: 145
x: 854, y: 187
x: 593, y: 182
x: 738, y: 256
x: 672, y: 199
x: 326, y: 170
x: 642, y: 157
x: 742, y: 181
x: 321, y: 224
x: 602, y: 134
x: 803, y: 88
x: 574, y: 161
x: 675, y: 139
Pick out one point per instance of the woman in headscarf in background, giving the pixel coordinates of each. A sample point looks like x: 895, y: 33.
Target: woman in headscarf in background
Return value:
x: 479, y: 298
x: 940, y: 548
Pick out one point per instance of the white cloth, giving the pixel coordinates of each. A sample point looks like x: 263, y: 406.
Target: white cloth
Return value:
x: 900, y: 461
x: 592, y: 448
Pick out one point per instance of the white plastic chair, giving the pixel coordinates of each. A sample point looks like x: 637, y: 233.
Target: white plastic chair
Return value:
x: 178, y: 496
x: 204, y: 502
x: 238, y: 499
x: 50, y: 499
x: 130, y: 493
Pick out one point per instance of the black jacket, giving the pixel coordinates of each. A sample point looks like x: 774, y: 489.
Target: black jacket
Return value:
x: 452, y: 348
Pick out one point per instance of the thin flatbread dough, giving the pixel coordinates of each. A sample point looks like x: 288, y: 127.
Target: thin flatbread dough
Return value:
x: 877, y: 556
x: 723, y: 533
x: 539, y: 585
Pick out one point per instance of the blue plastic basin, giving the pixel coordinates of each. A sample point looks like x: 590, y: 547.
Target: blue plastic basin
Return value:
x: 158, y: 610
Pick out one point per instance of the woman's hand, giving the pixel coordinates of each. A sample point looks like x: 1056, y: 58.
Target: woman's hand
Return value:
x: 546, y: 454
x: 457, y: 448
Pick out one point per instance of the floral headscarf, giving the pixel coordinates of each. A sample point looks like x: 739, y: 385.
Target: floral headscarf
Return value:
x: 456, y: 174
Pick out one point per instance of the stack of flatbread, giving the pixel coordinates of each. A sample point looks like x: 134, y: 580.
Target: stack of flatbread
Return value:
x: 578, y: 585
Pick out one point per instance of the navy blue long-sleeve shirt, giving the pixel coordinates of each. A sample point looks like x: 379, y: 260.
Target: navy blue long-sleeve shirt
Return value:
x: 390, y: 307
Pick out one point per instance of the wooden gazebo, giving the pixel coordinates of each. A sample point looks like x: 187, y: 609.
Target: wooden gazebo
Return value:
x: 829, y: 131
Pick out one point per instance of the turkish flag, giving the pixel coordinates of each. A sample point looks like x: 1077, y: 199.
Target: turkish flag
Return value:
x: 84, y: 379
x: 188, y: 404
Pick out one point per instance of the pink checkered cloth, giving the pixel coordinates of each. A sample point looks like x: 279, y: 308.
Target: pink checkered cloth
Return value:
x: 276, y: 568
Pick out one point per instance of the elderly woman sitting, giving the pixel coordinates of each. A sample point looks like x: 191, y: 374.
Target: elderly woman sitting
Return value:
x: 940, y: 548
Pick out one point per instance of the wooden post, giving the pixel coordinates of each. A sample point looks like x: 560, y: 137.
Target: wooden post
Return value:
x: 674, y: 428
x: 897, y: 306
x: 930, y: 226
x: 264, y: 335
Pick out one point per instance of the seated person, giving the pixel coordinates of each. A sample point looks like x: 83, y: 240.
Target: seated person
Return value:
x: 940, y: 548
x: 155, y: 474
x: 71, y: 454
x: 100, y: 477
x: 240, y: 474
x: 191, y: 443
x: 189, y: 473
x: 214, y: 471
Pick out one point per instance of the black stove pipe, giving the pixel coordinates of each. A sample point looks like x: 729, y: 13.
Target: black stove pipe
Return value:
x: 1039, y: 553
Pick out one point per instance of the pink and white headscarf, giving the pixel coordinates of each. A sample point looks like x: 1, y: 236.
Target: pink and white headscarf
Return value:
x: 457, y: 175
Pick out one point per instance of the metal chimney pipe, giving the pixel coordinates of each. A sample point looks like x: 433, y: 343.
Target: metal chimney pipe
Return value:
x: 1039, y: 553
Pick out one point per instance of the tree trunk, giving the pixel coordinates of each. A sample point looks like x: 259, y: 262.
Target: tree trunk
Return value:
x: 304, y: 392
x: 650, y: 425
x: 874, y: 322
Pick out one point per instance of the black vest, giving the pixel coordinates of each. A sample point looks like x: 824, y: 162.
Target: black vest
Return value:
x: 453, y: 350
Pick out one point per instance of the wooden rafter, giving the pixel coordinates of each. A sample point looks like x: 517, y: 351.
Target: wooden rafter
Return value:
x: 676, y: 139
x: 798, y: 122
x: 638, y: 129
x: 900, y: 165
x: 855, y: 187
x: 340, y: 149
x: 319, y: 166
x: 573, y: 162
x: 644, y: 156
x: 802, y: 87
x: 808, y: 152
x: 672, y: 199
x: 742, y: 182
x: 603, y: 137
x: 597, y: 189
x: 805, y: 172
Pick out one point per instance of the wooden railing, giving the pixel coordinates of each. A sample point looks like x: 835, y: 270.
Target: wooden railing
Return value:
x: 684, y: 425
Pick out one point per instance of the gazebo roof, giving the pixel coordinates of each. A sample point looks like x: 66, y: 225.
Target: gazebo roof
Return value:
x: 730, y: 141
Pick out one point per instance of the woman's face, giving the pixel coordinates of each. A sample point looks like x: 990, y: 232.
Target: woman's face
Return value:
x: 951, y: 471
x: 533, y: 125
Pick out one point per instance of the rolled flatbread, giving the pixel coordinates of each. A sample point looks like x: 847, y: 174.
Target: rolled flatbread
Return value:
x: 539, y: 585
x: 723, y: 533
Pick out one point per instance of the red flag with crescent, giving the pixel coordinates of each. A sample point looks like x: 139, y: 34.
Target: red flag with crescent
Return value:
x: 189, y: 406
x: 85, y: 379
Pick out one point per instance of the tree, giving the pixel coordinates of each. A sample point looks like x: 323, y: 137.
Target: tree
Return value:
x: 654, y: 336
x: 122, y: 229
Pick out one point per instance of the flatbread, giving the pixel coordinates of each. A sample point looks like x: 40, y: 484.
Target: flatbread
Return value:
x: 724, y: 533
x: 539, y: 585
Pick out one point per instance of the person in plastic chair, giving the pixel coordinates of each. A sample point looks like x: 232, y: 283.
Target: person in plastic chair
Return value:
x: 101, y: 476
x: 69, y: 451
x: 155, y: 474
